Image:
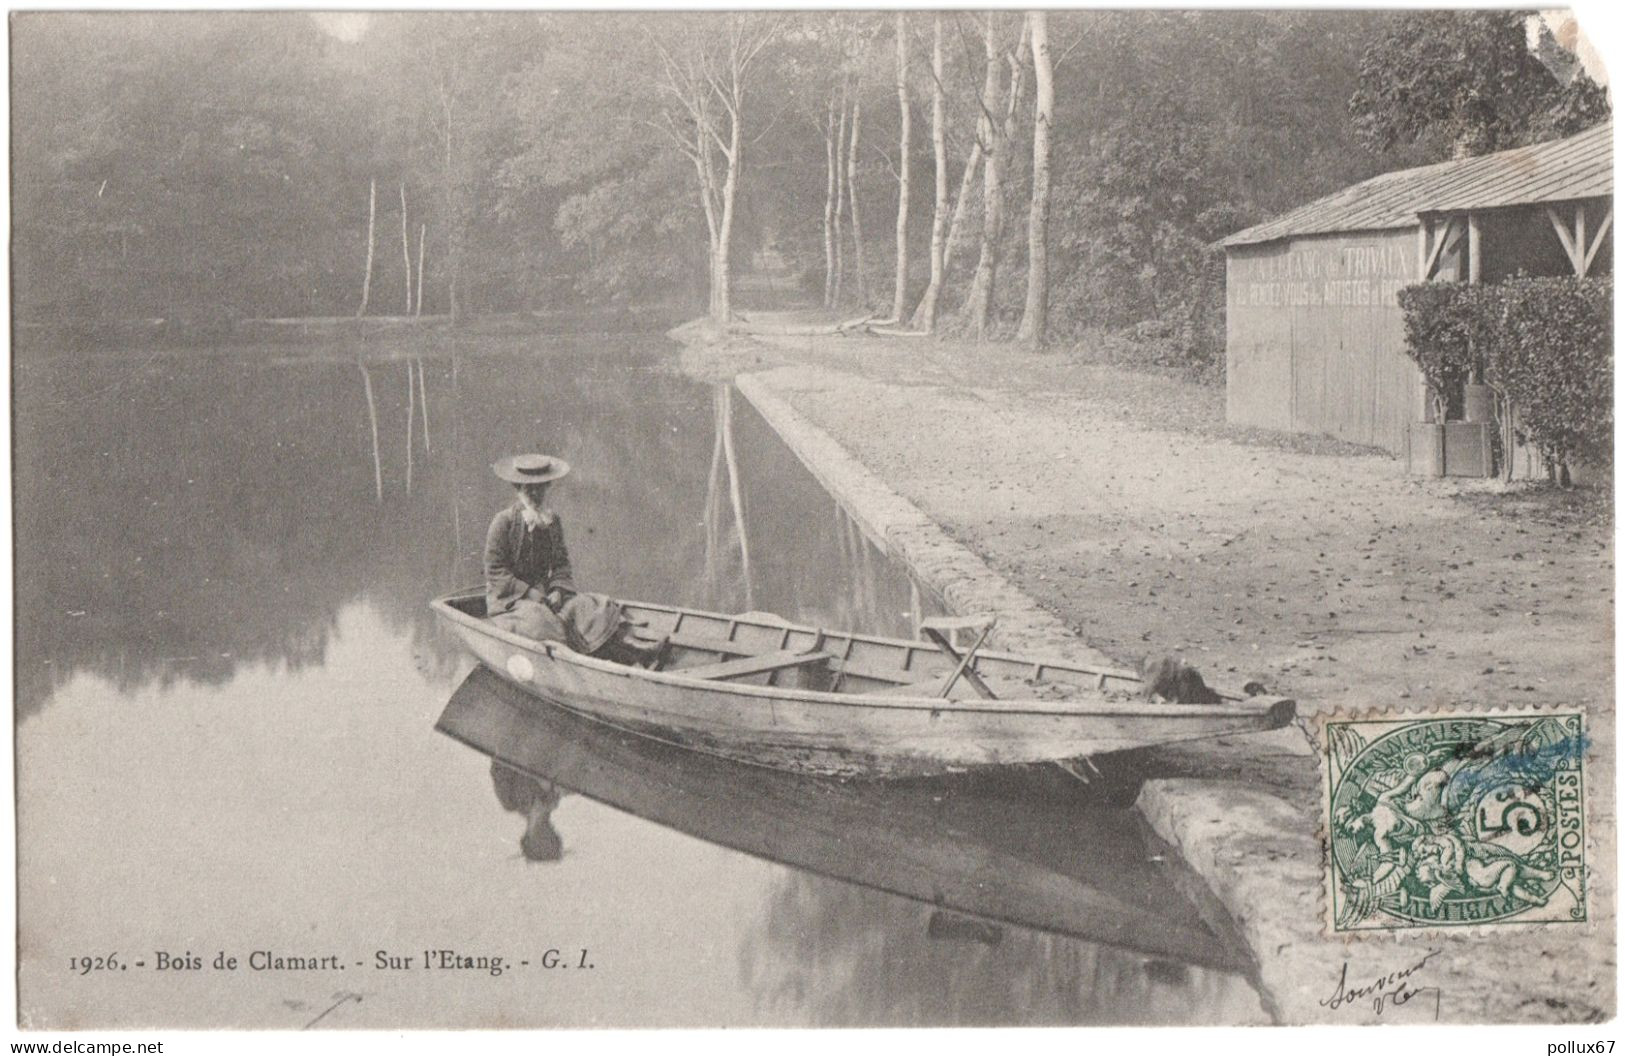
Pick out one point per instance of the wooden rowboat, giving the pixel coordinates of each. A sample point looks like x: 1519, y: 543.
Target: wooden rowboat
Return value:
x: 760, y: 690
x: 1059, y: 866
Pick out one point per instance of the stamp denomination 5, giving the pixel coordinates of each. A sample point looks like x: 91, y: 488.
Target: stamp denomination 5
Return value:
x: 1442, y: 821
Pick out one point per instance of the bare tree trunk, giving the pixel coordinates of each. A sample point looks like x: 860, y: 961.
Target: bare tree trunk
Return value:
x: 417, y: 304
x: 454, y: 252
x: 925, y: 316
x: 703, y: 90
x: 406, y: 250
x: 734, y: 494
x: 852, y: 192
x: 411, y: 410
x: 980, y: 302
x: 899, y: 300
x: 713, y: 505
x: 423, y: 398
x: 372, y: 416
x: 721, y: 290
x: 840, y: 195
x: 372, y: 216
x: 1035, y: 318
x: 956, y: 226
x: 831, y: 237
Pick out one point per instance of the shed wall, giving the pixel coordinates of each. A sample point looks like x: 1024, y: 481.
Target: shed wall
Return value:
x: 1315, y: 339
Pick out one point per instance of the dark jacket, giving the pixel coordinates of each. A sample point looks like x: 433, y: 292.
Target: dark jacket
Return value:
x: 519, y: 560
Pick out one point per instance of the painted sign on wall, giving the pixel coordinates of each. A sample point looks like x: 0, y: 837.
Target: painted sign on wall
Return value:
x: 1366, y: 275
x: 1315, y: 337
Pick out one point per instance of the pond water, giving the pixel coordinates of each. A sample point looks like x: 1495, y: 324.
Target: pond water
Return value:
x: 228, y: 680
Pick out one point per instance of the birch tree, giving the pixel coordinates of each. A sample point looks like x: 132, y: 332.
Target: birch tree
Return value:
x: 704, y: 83
x: 995, y: 139
x: 1035, y: 317
x: 406, y: 250
x: 852, y: 192
x: 840, y: 194
x: 900, y: 271
x: 831, y: 234
x: 372, y: 216
x: 925, y: 316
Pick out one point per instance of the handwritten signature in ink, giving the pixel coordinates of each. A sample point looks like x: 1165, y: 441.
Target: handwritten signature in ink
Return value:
x: 1386, y: 991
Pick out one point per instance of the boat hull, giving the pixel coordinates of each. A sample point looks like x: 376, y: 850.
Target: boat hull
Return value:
x: 846, y: 734
x: 1061, y: 865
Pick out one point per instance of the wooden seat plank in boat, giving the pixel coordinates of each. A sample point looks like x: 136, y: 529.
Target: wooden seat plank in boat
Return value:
x: 746, y: 666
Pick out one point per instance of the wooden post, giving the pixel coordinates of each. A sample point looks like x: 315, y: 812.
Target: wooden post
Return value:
x: 1474, y: 276
x: 1474, y: 254
x: 1424, y: 273
x: 1580, y: 240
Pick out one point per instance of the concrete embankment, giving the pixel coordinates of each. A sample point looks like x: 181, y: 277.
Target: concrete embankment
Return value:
x: 898, y: 528
x: 1244, y: 813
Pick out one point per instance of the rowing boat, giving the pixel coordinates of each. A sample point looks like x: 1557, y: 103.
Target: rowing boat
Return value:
x: 1057, y: 864
x: 759, y: 689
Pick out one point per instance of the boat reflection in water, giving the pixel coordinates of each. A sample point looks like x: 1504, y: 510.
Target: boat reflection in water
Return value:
x: 535, y: 800
x: 980, y: 858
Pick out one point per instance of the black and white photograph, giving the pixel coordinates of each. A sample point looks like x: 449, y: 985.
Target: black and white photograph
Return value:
x: 540, y: 520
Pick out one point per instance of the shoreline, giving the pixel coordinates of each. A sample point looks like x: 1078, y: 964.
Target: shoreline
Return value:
x: 1243, y: 813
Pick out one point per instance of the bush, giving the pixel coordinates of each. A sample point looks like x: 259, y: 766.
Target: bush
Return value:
x: 1544, y: 344
x: 1550, y: 351
x: 1439, y: 334
x: 1181, y: 343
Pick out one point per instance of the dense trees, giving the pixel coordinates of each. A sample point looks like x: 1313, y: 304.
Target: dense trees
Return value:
x: 222, y: 165
x: 1468, y: 82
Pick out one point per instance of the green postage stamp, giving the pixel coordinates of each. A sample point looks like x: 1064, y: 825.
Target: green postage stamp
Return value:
x: 1453, y: 820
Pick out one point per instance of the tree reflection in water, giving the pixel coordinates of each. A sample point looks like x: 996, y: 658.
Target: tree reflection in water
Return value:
x: 233, y: 504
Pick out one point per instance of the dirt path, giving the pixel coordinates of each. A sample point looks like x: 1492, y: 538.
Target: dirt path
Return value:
x: 1122, y: 503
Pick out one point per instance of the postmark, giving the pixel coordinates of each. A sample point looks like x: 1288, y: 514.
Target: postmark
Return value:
x: 1444, y: 821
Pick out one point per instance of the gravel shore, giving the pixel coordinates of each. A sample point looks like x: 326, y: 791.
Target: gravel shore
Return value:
x: 1121, y: 504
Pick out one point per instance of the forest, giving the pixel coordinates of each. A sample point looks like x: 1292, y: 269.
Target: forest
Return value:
x: 1044, y: 176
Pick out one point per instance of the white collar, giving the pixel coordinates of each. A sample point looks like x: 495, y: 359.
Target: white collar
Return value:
x: 534, y: 519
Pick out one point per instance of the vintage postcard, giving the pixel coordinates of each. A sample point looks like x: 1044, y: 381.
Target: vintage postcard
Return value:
x: 804, y: 519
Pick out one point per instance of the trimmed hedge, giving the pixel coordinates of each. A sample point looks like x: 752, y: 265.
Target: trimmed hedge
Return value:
x: 1440, y: 320
x: 1544, y: 344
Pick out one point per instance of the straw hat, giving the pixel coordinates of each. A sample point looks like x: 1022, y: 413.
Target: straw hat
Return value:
x: 530, y: 469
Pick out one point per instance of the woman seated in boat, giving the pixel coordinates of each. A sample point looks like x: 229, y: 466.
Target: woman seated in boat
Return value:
x: 528, y: 585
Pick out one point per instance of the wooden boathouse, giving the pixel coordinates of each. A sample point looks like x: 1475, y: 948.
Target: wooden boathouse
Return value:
x: 1315, y: 338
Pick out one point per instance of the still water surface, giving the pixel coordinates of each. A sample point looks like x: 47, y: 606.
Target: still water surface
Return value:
x: 228, y: 678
